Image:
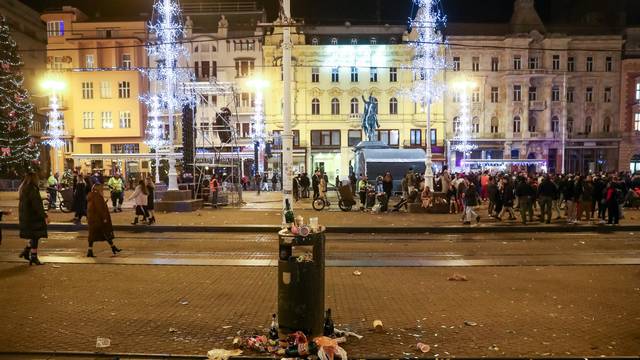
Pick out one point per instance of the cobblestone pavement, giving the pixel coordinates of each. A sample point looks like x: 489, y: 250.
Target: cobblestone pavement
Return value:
x: 524, y: 311
x: 519, y: 311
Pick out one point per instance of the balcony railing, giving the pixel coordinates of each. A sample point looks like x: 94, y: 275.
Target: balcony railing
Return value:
x: 540, y: 105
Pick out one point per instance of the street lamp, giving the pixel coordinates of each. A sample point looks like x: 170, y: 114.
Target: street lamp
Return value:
x: 55, y: 129
x: 462, y: 134
x: 258, y: 134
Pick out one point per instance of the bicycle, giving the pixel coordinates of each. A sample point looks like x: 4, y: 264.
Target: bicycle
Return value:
x: 345, y: 199
x: 65, y: 201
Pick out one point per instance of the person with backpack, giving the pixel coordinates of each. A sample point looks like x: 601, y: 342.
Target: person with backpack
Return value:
x: 612, y: 198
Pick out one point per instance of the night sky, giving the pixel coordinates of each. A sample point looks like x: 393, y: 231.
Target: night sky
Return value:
x: 391, y: 11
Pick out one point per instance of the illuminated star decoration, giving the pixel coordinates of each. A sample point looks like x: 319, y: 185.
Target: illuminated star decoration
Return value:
x: 463, y: 132
x: 55, y: 130
x: 168, y: 50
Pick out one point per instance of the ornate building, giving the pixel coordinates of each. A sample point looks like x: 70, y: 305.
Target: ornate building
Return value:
x: 540, y: 92
x: 630, y: 103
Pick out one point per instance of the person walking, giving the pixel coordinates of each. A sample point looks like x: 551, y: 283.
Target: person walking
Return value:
x: 568, y: 193
x: 387, y: 184
x: 508, y: 198
x: 547, y: 191
x: 151, y: 188
x: 80, y: 191
x: 362, y: 190
x: 257, y: 182
x: 524, y: 192
x: 274, y: 182
x: 99, y: 219
x: 492, y: 195
x: 599, y: 187
x: 116, y: 186
x: 214, y: 188
x: 33, y: 220
x: 586, y: 199
x: 52, y: 189
x: 315, y: 184
x: 612, y: 198
x: 296, y: 187
x: 140, y: 199
x: 471, y: 202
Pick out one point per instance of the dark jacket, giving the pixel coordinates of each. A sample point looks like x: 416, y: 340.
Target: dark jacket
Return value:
x: 471, y: 197
x: 32, y: 218
x: 548, y: 189
x: 524, y: 189
x: 587, y: 192
x: 568, y: 190
x: 492, y: 191
x: 80, y: 191
x: 98, y: 217
x: 507, y: 195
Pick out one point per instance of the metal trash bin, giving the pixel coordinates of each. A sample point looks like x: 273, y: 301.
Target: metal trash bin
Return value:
x: 301, y: 283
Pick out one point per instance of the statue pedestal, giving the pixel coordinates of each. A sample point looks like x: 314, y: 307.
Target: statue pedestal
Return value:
x: 176, y: 201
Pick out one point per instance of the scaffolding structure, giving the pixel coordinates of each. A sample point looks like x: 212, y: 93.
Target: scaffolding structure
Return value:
x: 211, y: 144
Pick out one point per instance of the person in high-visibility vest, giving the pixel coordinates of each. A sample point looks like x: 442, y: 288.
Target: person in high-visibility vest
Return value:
x: 214, y: 187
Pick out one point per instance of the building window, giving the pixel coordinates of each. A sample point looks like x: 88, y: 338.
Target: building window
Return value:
x: 247, y: 100
x: 516, y: 124
x: 533, y: 63
x: 314, y: 41
x: 373, y: 74
x: 125, y: 119
x: 205, y: 70
x: 636, y: 122
x: 475, y: 125
x: 570, y: 125
x: 87, y: 120
x: 495, y: 64
x: 124, y: 90
x: 393, y: 106
x: 589, y: 65
x: 126, y: 61
x: 88, y: 62
x: 335, y: 106
x: 105, y: 89
x: 55, y: 28
x: 456, y: 125
x: 555, y: 62
x: 571, y: 64
x: 315, y: 75
x: 495, y: 123
x: 517, y: 93
x: 456, y: 63
x: 638, y: 91
x: 555, y: 124
x: 354, y: 137
x: 68, y: 145
x: 393, y: 41
x: 517, y: 62
x: 354, y: 74
x: 434, y: 137
x: 315, y: 107
x: 393, y: 74
x: 570, y: 92
x: 608, y: 67
x: 533, y: 93
x: 125, y: 148
x: 607, y: 95
x: 587, y: 125
x: 87, y: 90
x: 475, y: 95
x: 555, y: 94
x: 354, y: 41
x: 325, y: 138
x: 334, y: 41
x: 606, y: 126
x: 373, y: 41
x: 389, y: 137
x: 57, y: 63
x: 415, y: 138
x: 589, y: 95
x: 532, y: 124
x: 456, y: 97
x: 475, y: 63
x: 495, y: 94
x: 355, y: 106
x: 335, y: 74
x: 95, y: 148
x: 107, y: 120
x: 244, y: 67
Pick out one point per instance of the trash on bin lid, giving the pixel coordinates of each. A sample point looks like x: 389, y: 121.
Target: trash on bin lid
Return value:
x: 103, y: 342
x: 184, y: 302
x: 470, y: 323
x: 377, y: 325
x: 222, y: 354
x: 357, y: 273
x: 457, y: 277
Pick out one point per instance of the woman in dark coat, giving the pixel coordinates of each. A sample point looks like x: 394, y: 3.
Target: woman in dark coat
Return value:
x: 32, y: 217
x: 387, y: 184
x: 150, y: 201
x: 99, y: 219
x: 80, y: 191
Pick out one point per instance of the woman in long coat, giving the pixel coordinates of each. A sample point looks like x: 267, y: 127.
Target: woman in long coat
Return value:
x: 32, y: 217
x: 80, y: 191
x: 99, y: 218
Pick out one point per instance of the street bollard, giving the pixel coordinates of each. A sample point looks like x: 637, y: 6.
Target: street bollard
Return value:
x: 301, y: 283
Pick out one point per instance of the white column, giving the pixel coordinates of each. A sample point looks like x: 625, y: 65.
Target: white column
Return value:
x: 287, y: 135
x: 428, y: 171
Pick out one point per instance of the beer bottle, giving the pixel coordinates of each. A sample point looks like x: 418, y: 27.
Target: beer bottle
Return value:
x: 328, y: 329
x: 273, y: 329
x: 289, y: 218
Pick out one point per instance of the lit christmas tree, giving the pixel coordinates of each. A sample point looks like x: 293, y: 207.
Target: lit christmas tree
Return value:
x: 18, y: 150
x: 428, y: 64
x: 167, y: 96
